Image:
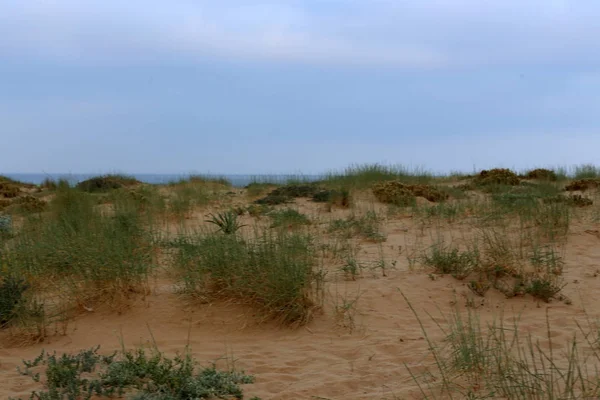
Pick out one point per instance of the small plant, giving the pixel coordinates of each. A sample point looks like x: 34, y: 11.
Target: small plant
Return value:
x: 351, y: 269
x: 544, y: 287
x: 227, y: 222
x: 479, y: 287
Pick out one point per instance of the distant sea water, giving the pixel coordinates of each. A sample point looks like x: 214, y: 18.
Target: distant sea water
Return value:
x: 236, y: 180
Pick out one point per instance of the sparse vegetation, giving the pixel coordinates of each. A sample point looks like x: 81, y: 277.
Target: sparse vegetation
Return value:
x: 66, y: 251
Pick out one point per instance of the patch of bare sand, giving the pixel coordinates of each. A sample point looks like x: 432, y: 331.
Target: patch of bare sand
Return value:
x: 325, y: 359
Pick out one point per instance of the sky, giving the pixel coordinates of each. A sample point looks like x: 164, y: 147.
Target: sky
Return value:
x: 253, y: 87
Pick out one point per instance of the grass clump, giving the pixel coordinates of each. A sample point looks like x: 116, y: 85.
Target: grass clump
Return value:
x: 541, y: 174
x: 366, y: 175
x: 586, y: 171
x: 289, y: 218
x: 52, y: 184
x: 272, y: 272
x: 449, y: 260
x: 106, y: 183
x: 84, y: 255
x: 227, y: 222
x: 140, y: 375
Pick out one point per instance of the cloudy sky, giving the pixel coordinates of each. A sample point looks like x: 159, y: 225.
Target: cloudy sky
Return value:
x: 242, y: 86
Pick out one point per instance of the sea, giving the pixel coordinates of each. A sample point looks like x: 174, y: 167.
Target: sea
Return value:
x: 236, y: 180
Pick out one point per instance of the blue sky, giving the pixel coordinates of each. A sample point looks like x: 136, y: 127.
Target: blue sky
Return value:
x: 235, y: 86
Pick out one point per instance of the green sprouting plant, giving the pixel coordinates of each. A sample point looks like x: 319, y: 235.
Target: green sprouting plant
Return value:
x: 141, y: 375
x: 227, y: 222
x: 351, y: 269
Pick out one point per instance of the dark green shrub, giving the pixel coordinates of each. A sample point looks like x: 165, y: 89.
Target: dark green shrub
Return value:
x: 497, y: 176
x: 542, y: 174
x: 12, y: 291
x: 135, y: 373
x: 105, y: 183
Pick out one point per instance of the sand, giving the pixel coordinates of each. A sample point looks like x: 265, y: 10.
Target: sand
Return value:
x: 362, y: 356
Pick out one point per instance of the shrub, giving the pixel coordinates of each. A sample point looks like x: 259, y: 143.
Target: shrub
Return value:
x: 339, y: 197
x: 497, y: 176
x: 398, y: 193
x: 307, y: 190
x: 393, y: 192
x: 9, y: 190
x: 140, y: 375
x: 542, y: 174
x: 583, y: 184
x: 105, y: 183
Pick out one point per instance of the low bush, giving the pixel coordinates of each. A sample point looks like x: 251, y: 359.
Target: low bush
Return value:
x: 105, y: 183
x: 88, y: 374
